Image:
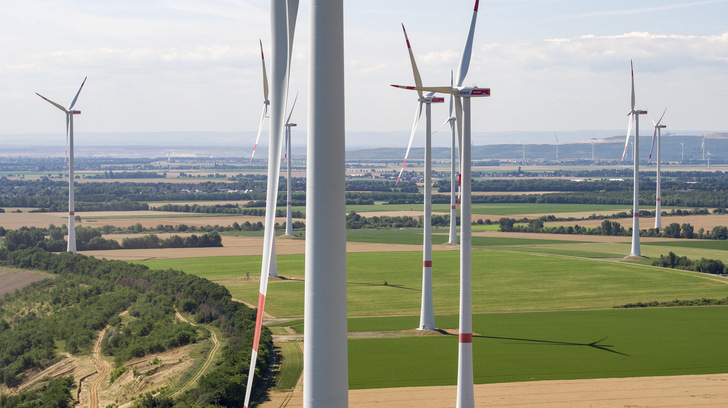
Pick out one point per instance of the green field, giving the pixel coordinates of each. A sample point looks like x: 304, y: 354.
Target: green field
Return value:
x: 550, y: 346
x: 387, y: 284
x: 543, y: 309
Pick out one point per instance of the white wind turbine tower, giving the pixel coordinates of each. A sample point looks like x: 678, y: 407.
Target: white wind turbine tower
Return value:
x: 708, y: 153
x: 325, y: 368
x: 454, y: 182
x: 702, y: 147
x: 69, y: 140
x: 427, y: 311
x: 634, y: 115
x: 465, y: 392
x: 283, y: 21
x: 557, y: 146
x: 289, y: 216
x: 682, y: 151
x: 658, y: 194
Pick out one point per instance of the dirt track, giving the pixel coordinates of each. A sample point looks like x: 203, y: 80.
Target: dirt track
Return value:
x: 691, y: 391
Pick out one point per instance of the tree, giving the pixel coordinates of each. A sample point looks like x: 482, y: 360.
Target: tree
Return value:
x: 687, y: 231
x: 672, y: 230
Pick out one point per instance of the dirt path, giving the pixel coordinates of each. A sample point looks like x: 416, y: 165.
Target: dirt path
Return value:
x: 208, y: 360
x: 103, y: 369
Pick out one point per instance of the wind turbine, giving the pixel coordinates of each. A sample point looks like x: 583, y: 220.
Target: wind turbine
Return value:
x: 69, y: 140
x: 325, y: 368
x: 463, y: 94
x: 266, y: 101
x: 289, y: 125
x: 682, y: 152
x: 283, y: 21
x: 658, y: 196
x: 454, y: 181
x: 557, y: 146
x: 708, y: 153
x: 427, y: 311
x: 634, y: 115
x: 702, y: 147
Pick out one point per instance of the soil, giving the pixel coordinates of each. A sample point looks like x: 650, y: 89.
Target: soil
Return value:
x: 15, y: 279
x: 697, y: 221
x: 693, y: 391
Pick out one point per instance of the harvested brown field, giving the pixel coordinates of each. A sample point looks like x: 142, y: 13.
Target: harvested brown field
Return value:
x: 690, y: 391
x: 246, y: 246
x: 566, y: 237
x: 697, y: 221
x: 12, y: 279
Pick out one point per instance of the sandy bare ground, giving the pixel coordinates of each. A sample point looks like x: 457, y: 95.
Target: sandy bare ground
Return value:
x: 122, y: 219
x: 566, y: 237
x: 694, y: 391
x: 697, y: 221
x: 208, y: 360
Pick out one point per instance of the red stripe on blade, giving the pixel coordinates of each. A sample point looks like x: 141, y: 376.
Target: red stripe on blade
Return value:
x: 258, y: 321
x: 466, y: 337
x: 427, y: 264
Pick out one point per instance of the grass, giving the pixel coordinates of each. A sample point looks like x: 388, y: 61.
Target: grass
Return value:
x: 387, y: 284
x: 291, y: 366
x: 552, y: 345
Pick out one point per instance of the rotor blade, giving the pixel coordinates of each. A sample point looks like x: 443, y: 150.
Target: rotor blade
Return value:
x: 626, y: 142
x: 451, y: 97
x: 293, y: 106
x: 265, y: 76
x: 465, y: 61
x: 441, y: 126
x: 52, y: 103
x: 292, y: 15
x: 415, y: 71
x: 631, y: 69
x: 76, y: 97
x: 661, y: 116
x: 418, y: 113
x: 260, y: 129
x: 437, y: 89
x: 654, y: 135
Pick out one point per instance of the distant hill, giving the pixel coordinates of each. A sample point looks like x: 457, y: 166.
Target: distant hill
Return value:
x: 674, y: 149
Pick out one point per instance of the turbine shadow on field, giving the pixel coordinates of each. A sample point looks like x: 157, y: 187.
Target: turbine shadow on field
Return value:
x: 385, y: 285
x: 594, y: 344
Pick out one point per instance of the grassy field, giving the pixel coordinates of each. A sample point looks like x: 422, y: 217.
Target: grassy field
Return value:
x: 543, y: 309
x: 552, y: 345
x: 381, y: 284
x: 291, y: 366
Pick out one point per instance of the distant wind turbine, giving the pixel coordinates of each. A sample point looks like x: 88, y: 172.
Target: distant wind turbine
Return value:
x: 266, y: 102
x: 709, y: 154
x: 69, y: 140
x: 289, y: 216
x: 634, y: 115
x: 427, y: 312
x: 702, y: 147
x: 682, y: 151
x: 658, y: 195
x: 283, y: 19
x: 557, y: 146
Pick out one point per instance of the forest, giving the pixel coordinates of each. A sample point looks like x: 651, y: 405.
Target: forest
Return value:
x: 88, y: 293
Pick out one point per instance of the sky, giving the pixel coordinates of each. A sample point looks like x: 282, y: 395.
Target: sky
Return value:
x: 192, y: 66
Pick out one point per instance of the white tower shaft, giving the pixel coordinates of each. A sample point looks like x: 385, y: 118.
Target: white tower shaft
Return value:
x: 427, y: 310
x: 325, y: 368
x: 71, y: 200
x: 658, y: 195
x: 636, y: 199
x: 289, y: 216
x: 453, y: 193
x: 465, y: 392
